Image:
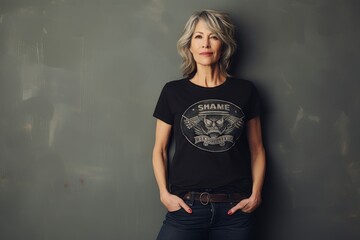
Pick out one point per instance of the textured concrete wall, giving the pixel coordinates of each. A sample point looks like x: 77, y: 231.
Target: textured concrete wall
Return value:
x: 78, y: 83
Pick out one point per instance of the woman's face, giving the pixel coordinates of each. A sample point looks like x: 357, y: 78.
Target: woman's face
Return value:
x: 205, y: 45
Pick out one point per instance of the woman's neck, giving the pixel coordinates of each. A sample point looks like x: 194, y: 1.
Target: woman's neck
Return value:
x: 208, y: 76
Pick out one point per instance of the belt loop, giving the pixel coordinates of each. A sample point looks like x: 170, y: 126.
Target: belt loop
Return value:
x: 230, y: 199
x: 192, y: 199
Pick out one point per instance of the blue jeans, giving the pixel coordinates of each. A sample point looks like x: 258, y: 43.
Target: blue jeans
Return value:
x: 207, y: 222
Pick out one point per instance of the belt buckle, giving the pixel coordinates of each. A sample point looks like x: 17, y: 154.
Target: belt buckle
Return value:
x: 207, y: 198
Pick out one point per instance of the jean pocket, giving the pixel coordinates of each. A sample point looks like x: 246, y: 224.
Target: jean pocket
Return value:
x: 178, y: 210
x: 245, y: 213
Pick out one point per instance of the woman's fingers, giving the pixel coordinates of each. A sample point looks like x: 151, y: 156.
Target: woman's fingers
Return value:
x: 247, y: 205
x: 174, y: 203
x: 241, y: 205
x: 185, y: 207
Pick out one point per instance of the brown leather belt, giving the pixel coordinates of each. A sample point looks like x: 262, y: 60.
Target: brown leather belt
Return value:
x: 206, y: 198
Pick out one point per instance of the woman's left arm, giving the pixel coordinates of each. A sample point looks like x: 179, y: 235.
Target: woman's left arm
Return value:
x: 257, y: 167
x: 257, y: 162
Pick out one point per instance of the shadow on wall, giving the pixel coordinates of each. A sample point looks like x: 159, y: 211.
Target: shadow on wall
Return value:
x: 243, y: 50
x: 312, y: 190
x: 274, y: 216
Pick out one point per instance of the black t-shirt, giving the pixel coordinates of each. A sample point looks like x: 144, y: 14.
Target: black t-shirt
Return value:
x: 209, y: 127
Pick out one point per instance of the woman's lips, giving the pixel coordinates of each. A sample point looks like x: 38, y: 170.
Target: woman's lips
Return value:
x: 206, y: 53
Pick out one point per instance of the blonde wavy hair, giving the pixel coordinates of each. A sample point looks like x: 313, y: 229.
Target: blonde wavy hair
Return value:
x: 219, y: 23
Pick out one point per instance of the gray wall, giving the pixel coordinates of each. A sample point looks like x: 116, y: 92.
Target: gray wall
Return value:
x: 78, y: 83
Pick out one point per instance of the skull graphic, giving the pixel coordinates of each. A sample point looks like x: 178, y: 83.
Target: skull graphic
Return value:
x: 214, y: 125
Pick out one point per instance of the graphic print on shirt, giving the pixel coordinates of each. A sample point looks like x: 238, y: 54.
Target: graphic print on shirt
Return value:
x: 212, y: 125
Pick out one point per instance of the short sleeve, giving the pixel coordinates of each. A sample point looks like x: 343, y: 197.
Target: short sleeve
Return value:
x: 254, y: 105
x: 162, y: 110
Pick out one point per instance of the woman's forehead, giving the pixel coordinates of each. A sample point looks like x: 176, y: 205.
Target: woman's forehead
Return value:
x: 202, y: 26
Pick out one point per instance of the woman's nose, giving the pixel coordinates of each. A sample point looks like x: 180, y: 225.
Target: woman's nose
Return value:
x: 206, y: 43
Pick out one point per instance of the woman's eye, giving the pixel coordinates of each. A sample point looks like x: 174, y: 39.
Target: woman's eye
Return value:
x: 214, y: 37
x: 197, y: 36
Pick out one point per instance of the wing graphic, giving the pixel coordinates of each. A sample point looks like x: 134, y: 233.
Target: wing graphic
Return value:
x: 194, y: 122
x: 235, y: 122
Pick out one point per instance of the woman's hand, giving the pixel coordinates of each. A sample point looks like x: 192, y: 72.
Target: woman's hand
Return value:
x: 170, y: 201
x: 174, y: 203
x: 247, y: 205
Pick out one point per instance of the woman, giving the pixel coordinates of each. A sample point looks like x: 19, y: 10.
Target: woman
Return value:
x: 215, y: 178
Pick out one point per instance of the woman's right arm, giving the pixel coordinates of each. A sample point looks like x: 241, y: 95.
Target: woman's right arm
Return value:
x: 162, y: 135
